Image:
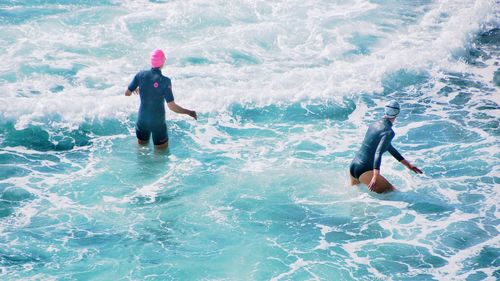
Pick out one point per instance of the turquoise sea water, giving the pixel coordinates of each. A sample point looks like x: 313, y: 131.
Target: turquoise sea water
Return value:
x: 257, y: 188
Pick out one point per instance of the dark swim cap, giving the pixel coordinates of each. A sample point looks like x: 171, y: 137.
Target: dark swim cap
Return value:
x: 392, y: 109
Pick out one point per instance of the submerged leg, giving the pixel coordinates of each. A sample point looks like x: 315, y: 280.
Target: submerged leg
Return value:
x: 382, y: 185
x: 353, y: 180
x: 162, y: 146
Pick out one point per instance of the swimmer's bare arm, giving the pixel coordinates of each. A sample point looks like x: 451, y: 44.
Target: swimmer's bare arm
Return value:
x: 394, y: 152
x: 411, y: 167
x: 178, y: 109
x: 128, y: 92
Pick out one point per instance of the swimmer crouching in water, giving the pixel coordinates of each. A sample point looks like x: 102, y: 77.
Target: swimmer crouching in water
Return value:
x: 365, y: 167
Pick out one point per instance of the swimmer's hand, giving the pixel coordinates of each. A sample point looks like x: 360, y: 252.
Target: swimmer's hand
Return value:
x: 192, y: 113
x: 179, y: 109
x: 415, y: 169
x: 373, y: 182
x: 136, y: 91
x: 411, y: 167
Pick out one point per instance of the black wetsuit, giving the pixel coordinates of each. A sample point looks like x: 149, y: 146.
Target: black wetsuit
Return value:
x: 154, y: 90
x: 377, y: 141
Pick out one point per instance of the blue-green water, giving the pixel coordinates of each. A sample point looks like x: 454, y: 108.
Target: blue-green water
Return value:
x: 257, y: 188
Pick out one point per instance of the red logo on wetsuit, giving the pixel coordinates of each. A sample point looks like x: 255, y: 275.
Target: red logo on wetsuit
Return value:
x: 155, y: 84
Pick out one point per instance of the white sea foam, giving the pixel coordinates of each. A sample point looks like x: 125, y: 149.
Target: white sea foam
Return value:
x: 59, y: 73
x: 61, y: 54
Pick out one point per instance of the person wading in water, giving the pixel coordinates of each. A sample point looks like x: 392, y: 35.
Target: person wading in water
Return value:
x: 153, y: 89
x: 365, y: 167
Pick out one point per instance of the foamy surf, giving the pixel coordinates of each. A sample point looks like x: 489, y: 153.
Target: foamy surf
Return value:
x: 257, y: 188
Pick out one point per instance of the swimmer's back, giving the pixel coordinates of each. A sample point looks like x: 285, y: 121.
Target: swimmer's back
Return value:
x: 154, y: 89
x: 377, y: 141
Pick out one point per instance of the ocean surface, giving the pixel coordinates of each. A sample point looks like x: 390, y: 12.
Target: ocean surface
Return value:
x: 257, y: 188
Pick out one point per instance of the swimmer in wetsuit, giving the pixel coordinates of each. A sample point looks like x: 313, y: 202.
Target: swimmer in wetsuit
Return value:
x: 153, y: 89
x: 365, y: 167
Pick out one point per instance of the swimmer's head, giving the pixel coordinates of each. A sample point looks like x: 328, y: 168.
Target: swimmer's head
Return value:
x: 392, y: 109
x: 157, y: 58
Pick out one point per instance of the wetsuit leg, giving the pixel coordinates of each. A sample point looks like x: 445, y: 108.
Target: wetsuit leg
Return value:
x: 354, y: 181
x: 142, y: 133
x: 160, y: 135
x: 356, y: 170
x: 352, y: 171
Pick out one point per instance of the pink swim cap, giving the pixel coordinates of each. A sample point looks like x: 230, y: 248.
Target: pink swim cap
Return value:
x: 157, y: 58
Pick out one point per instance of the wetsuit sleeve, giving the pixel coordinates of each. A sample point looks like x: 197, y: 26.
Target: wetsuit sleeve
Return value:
x: 169, y: 96
x: 382, y: 146
x: 395, y: 153
x: 134, y: 84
